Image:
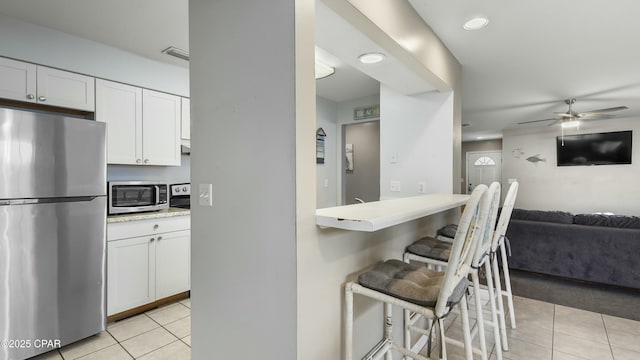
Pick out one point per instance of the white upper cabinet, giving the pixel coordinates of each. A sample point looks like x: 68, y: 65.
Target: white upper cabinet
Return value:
x: 186, y: 119
x: 17, y: 80
x: 120, y: 106
x: 40, y: 84
x: 143, y: 126
x: 160, y: 128
x: 65, y: 89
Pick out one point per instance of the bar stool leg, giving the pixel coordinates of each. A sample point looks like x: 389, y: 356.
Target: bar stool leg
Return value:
x: 388, y: 327
x: 494, y: 314
x: 466, y: 330
x: 348, y: 326
x: 479, y: 317
x: 443, y: 342
x: 498, y: 292
x: 507, y: 285
x: 407, y: 332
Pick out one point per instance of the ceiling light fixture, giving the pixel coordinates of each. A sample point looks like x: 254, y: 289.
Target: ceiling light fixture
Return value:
x: 476, y: 23
x: 570, y: 124
x: 179, y: 53
x: 371, y: 58
x: 323, y: 70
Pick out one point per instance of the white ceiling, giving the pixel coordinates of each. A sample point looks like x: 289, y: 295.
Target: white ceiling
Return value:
x: 535, y: 54
x: 531, y: 56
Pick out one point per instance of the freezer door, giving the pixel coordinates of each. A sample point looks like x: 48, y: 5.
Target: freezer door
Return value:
x: 44, y: 155
x: 52, y: 274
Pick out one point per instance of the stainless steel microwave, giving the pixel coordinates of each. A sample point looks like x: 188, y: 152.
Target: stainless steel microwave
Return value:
x: 137, y: 196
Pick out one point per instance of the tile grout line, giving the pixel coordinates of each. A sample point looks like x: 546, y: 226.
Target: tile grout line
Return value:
x: 604, y: 324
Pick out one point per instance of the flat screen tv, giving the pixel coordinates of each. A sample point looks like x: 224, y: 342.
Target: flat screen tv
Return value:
x: 595, y: 149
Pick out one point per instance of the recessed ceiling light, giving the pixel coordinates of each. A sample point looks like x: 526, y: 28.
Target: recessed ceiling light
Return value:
x: 371, y: 58
x: 476, y: 23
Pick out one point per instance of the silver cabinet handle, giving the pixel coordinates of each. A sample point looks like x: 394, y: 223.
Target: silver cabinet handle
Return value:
x: 138, y: 161
x: 42, y: 98
x: 152, y: 240
x: 146, y: 161
x: 159, y: 238
x: 156, y: 226
x: 30, y: 96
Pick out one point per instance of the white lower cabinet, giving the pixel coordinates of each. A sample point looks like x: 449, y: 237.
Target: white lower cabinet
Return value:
x: 147, y: 260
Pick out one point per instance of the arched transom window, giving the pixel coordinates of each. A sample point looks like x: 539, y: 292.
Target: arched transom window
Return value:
x: 484, y: 161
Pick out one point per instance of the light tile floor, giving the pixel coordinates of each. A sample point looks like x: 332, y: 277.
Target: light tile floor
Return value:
x: 544, y: 332
x: 162, y: 333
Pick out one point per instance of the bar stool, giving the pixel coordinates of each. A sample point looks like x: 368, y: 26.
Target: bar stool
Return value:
x: 499, y: 240
x: 498, y: 245
x: 423, y: 291
x: 432, y: 251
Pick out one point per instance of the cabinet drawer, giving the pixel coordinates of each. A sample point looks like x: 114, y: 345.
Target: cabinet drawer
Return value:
x: 131, y: 229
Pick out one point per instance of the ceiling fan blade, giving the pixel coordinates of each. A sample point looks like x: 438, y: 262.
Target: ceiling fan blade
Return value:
x: 535, y: 121
x: 590, y: 116
x: 564, y: 114
x: 617, y: 108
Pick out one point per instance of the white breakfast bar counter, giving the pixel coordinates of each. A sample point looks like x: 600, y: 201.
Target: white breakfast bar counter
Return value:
x: 376, y: 215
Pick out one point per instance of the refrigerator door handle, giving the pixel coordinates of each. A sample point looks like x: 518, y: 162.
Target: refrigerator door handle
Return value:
x: 9, y: 202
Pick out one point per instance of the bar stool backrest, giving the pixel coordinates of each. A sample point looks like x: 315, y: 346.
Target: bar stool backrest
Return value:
x: 490, y: 204
x: 462, y: 248
x: 505, y: 215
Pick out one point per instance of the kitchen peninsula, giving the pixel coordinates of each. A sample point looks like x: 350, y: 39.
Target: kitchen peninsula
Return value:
x: 377, y: 215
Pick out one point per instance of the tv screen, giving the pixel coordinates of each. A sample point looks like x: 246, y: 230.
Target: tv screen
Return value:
x: 595, y: 149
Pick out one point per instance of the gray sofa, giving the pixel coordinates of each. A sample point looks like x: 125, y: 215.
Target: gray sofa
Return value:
x: 594, y: 248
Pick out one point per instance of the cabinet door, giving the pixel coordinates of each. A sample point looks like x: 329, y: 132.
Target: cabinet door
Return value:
x: 173, y: 259
x: 160, y: 128
x: 17, y: 80
x: 130, y: 278
x: 120, y: 106
x: 65, y: 89
x: 186, y: 119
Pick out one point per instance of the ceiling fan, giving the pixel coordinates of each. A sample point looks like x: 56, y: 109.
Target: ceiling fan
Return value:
x: 571, y: 118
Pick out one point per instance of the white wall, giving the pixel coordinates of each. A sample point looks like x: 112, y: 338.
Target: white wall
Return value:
x: 326, y: 118
x: 419, y: 129
x: 577, y: 189
x: 27, y: 42
x: 168, y: 174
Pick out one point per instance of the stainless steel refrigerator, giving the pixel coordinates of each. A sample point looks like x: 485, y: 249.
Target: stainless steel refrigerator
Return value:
x: 52, y: 231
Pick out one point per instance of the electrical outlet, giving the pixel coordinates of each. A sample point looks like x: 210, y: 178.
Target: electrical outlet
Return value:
x: 422, y: 187
x: 395, y: 186
x: 394, y: 157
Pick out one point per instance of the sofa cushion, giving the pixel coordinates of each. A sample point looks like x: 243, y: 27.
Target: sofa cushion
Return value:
x: 617, y: 221
x: 559, y: 217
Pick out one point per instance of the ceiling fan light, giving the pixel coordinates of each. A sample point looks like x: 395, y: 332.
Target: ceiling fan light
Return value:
x: 570, y: 124
x: 476, y: 23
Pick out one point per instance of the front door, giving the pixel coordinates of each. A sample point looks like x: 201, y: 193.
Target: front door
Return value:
x: 483, y: 167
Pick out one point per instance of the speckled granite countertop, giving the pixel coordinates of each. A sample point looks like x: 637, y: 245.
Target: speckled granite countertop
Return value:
x: 148, y: 215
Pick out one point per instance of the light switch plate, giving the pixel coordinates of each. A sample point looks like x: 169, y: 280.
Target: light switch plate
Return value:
x: 204, y: 194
